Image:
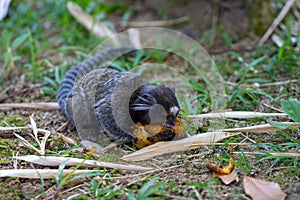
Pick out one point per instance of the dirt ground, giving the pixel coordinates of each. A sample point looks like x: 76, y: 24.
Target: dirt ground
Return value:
x: 188, y: 166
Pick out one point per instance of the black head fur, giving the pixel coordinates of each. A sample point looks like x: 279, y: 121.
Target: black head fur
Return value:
x: 151, y: 104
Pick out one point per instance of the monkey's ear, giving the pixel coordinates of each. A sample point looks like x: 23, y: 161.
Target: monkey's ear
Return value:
x: 172, y: 88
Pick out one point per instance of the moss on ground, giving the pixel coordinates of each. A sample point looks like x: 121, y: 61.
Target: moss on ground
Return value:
x: 7, y: 192
x: 14, y: 120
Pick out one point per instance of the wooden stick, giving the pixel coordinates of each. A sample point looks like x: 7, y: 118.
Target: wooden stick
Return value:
x: 289, y: 154
x: 155, y: 23
x: 277, y: 21
x: 87, y: 21
x: 38, y: 173
x: 57, y: 160
x: 272, y: 107
x: 280, y: 83
x: 263, y: 128
x: 42, y: 105
x: 237, y: 115
x: 214, y: 23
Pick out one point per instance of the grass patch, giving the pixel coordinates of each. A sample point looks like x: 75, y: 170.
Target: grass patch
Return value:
x: 40, y: 41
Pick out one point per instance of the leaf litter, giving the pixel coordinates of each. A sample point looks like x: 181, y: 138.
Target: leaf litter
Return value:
x: 259, y: 189
x: 182, y: 173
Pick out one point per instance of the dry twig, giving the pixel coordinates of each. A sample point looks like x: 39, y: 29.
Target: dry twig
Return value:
x: 41, y: 105
x: 155, y: 23
x: 277, y: 21
x: 38, y: 173
x: 237, y: 115
x: 55, y: 161
x: 87, y: 21
x: 196, y: 141
x: 41, y: 143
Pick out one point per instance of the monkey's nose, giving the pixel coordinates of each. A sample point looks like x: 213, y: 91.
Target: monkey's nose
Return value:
x: 170, y: 122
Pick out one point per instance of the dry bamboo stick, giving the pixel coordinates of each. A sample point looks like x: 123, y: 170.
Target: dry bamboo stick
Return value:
x: 196, y: 141
x: 57, y: 160
x: 277, y: 21
x: 185, y: 144
x: 237, y: 115
x: 87, y: 21
x: 155, y: 23
x: 263, y: 128
x: 41, y: 105
x: 38, y: 173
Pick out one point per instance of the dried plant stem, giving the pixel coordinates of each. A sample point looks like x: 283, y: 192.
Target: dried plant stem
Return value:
x: 289, y: 154
x: 272, y: 107
x: 237, y: 115
x: 57, y: 160
x: 87, y: 21
x: 214, y: 24
x: 263, y: 128
x: 189, y: 143
x: 280, y: 83
x: 277, y: 21
x: 196, y: 141
x: 155, y: 23
x: 38, y: 173
x: 41, y: 106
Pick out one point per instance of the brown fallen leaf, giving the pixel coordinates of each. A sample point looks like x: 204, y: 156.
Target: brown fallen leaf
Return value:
x: 227, y: 178
x: 222, y: 170
x: 259, y: 189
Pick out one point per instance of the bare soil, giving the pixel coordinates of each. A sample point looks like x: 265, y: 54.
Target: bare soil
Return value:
x: 187, y: 166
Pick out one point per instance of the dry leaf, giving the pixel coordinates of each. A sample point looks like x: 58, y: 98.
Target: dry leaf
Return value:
x: 196, y: 141
x: 227, y: 178
x: 161, y: 148
x: 259, y: 189
x: 222, y: 170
